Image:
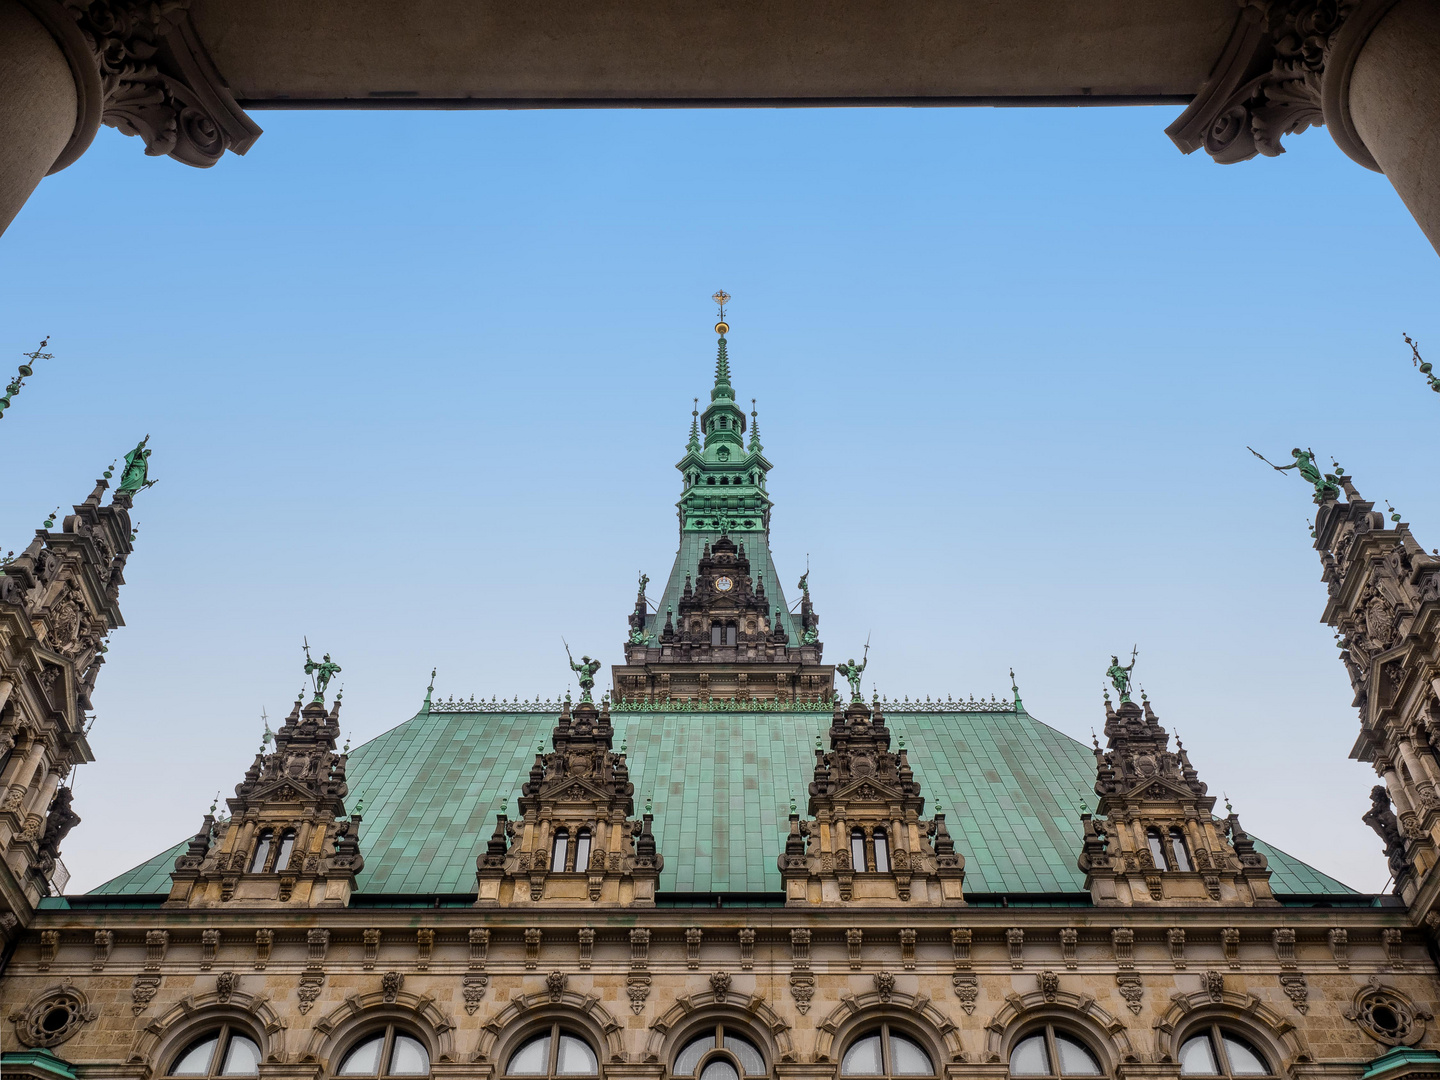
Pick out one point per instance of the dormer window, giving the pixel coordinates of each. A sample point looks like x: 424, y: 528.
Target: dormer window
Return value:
x: 262, y: 851
x: 287, y: 845
x: 1177, y: 849
x: 882, y: 852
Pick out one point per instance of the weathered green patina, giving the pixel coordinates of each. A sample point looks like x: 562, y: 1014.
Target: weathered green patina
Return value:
x: 722, y: 784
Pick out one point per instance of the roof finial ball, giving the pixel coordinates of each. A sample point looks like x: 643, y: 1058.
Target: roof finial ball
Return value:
x: 721, y: 298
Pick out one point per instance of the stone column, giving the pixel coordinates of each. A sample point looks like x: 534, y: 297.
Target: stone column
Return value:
x: 50, y: 99
x: 1392, y: 106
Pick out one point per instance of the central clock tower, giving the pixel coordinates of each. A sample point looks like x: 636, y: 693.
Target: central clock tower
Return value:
x: 722, y: 629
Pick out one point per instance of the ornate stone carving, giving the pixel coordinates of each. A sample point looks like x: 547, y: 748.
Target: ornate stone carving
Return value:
x: 884, y: 985
x: 1297, y: 990
x: 53, y: 1016
x: 637, y: 987
x: 586, y: 936
x: 1387, y: 1015
x: 747, y: 948
x: 1049, y: 985
x: 104, y: 942
x: 391, y: 984
x: 264, y: 939
x: 555, y: 984
x: 157, y: 81
x: 1069, y: 936
x: 225, y: 984
x: 720, y: 986
x: 1214, y: 985
x: 371, y: 939
x: 49, y: 946
x: 309, y: 989
x: 1269, y: 83
x: 473, y: 990
x: 1131, y: 990
x: 209, y: 945
x: 142, y: 992
x: 967, y: 989
x: 1015, y: 943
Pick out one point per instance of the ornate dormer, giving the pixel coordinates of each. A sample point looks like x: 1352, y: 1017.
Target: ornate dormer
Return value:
x: 576, y: 840
x: 864, y: 841
x: 1154, y: 838
x: 722, y: 629
x: 287, y: 839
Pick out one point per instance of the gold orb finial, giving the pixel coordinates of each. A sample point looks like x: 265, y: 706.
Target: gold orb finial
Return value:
x: 721, y: 298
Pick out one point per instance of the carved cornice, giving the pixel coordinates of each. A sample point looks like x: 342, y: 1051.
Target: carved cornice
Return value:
x: 142, y: 69
x: 1285, y: 68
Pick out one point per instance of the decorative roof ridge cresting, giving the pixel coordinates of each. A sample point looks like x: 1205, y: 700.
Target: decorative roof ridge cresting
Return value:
x: 972, y: 705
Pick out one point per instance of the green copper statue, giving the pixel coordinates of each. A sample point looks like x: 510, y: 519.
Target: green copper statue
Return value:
x: 586, y: 670
x: 805, y: 583
x: 322, y: 673
x: 1120, y: 676
x: 137, y: 469
x: 1305, y: 463
x: 852, y: 671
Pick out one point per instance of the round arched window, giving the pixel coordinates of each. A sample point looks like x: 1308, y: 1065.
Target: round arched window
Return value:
x: 391, y: 1051
x: 1216, y: 1051
x: 886, y: 1052
x: 1052, y: 1052
x: 227, y: 1051
x: 555, y: 1051
x: 719, y: 1053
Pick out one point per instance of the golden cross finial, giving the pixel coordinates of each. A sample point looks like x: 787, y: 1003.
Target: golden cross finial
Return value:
x: 721, y: 298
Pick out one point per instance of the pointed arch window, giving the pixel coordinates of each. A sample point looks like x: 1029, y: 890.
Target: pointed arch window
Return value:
x: 262, y: 851
x: 562, y: 849
x: 882, y: 851
x: 582, y: 851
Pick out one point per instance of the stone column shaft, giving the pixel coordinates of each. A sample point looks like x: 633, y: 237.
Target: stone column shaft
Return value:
x: 1395, y: 109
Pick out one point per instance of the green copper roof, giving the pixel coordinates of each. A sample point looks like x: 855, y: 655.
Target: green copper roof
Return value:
x: 722, y: 782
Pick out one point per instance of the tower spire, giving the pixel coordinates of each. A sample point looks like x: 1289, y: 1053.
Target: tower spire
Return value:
x: 693, y: 446
x: 755, y: 446
x: 722, y: 388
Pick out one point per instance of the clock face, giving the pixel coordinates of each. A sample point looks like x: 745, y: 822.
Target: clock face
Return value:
x: 724, y: 584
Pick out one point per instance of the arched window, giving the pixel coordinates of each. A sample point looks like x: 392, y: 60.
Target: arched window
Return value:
x: 562, y: 848
x: 582, y: 851
x: 262, y: 852
x: 287, y: 845
x: 857, y: 850
x: 1177, y: 849
x: 1157, y: 848
x: 555, y: 1051
x: 882, y: 852
x: 1215, y: 1051
x: 886, y: 1052
x: 719, y: 1053
x: 1053, y: 1053
x: 227, y: 1051
x: 390, y: 1052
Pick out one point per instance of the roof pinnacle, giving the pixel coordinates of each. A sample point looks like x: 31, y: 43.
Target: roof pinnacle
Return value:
x: 754, y: 429
x: 694, y: 444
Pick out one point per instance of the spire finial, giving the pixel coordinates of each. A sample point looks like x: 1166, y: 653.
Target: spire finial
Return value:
x: 721, y: 298
x: 26, y: 371
x: 693, y: 446
x: 755, y: 446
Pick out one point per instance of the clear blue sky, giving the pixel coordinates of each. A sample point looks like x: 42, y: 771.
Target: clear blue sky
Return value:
x: 416, y: 384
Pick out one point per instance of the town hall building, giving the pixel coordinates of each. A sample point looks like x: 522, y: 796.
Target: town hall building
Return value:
x: 728, y: 866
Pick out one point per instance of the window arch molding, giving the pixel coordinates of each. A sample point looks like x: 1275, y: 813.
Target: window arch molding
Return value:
x: 748, y: 1014
x: 914, y: 1017
x: 364, y: 1014
x: 734, y: 1021
x: 187, y: 1020
x: 1251, y: 1018
x: 529, y: 1014
x: 1024, y: 1014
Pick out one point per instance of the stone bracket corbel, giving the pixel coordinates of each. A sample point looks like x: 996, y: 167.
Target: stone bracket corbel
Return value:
x: 145, y: 72
x: 1285, y: 67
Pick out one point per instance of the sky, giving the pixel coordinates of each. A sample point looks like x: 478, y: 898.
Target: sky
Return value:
x: 416, y: 384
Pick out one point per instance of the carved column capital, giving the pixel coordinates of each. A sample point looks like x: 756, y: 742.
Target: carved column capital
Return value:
x: 1285, y: 68
x: 141, y: 68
